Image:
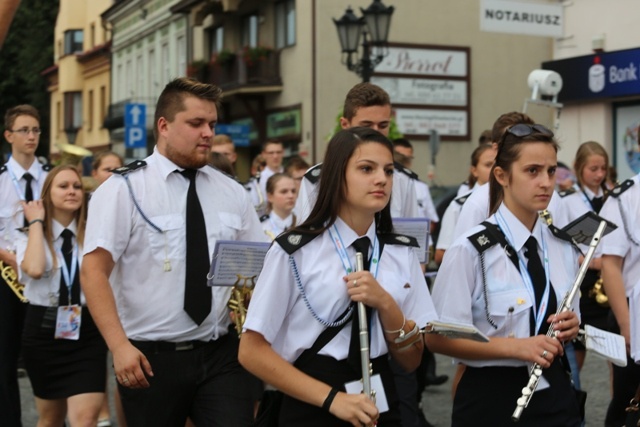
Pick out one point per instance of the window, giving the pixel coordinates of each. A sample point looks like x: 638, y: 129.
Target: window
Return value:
x: 58, y: 118
x: 93, y: 35
x: 285, y: 15
x: 103, y: 103
x: 140, y: 75
x: 165, y: 64
x: 128, y: 79
x: 72, y: 41
x: 153, y: 75
x: 216, y: 39
x: 182, y: 55
x: 72, y: 110
x: 250, y: 31
x: 90, y: 111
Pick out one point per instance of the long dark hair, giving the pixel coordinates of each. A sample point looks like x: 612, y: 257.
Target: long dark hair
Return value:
x: 475, y: 159
x: 509, y: 149
x: 332, y: 188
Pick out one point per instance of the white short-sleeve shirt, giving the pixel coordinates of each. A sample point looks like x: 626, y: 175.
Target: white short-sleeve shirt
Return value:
x: 458, y: 292
x: 279, y: 313
x: 150, y: 299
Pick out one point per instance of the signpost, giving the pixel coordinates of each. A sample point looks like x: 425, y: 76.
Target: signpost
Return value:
x: 135, y: 126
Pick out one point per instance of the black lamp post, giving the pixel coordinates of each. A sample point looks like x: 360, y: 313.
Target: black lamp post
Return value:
x: 373, y: 27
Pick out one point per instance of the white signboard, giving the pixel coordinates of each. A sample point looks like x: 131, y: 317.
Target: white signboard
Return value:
x: 514, y: 17
x: 422, y: 121
x: 433, y: 62
x: 404, y: 90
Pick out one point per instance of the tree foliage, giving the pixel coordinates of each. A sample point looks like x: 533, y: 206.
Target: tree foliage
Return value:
x: 27, y: 51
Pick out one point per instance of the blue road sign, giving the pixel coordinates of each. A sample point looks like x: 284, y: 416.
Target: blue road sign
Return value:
x: 238, y: 133
x: 135, y: 126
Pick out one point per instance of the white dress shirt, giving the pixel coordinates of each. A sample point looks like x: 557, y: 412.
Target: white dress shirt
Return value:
x: 449, y: 220
x: 426, y: 209
x: 149, y: 298
x: 12, y: 189
x: 273, y: 225
x: 458, y: 289
x: 45, y: 291
x: 279, y: 313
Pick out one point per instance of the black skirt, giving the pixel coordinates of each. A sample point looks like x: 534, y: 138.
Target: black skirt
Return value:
x: 60, y: 368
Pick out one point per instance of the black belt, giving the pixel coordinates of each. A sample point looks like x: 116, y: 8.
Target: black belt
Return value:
x: 163, y: 346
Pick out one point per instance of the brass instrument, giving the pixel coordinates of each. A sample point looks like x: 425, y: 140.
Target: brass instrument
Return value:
x: 597, y: 293
x: 10, y: 276
x: 565, y: 305
x: 364, y: 340
x: 239, y: 300
x: 72, y: 155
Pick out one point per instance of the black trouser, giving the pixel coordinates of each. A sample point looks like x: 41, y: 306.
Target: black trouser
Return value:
x: 205, y: 383
x: 12, y: 313
x: 295, y: 413
x: 625, y: 383
x: 487, y: 396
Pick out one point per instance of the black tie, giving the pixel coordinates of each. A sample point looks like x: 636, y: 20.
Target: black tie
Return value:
x: 535, y: 268
x: 67, y: 253
x: 596, y: 203
x: 28, y: 192
x: 360, y: 245
x: 197, y: 295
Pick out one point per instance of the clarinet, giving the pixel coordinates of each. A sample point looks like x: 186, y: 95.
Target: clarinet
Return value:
x: 536, y: 369
x: 364, y: 341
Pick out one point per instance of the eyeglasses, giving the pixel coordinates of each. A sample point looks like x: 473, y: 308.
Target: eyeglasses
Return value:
x: 26, y: 131
x: 520, y: 130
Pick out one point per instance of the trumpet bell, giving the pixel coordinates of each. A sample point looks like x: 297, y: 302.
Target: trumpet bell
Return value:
x: 72, y: 154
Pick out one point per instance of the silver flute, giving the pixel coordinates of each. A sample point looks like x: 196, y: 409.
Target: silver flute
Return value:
x: 536, y: 369
x: 364, y: 340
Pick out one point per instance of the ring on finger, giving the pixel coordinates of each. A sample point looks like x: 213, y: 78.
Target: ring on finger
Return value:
x: 125, y: 380
x: 544, y: 354
x: 355, y: 283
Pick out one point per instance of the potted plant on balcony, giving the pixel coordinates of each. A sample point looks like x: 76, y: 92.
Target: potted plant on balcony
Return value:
x: 198, y: 69
x: 254, y: 55
x: 224, y: 58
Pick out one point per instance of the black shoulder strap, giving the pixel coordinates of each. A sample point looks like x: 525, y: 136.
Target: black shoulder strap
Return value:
x: 621, y: 188
x: 495, y: 232
x: 411, y: 174
x: 313, y: 174
x: 323, y: 339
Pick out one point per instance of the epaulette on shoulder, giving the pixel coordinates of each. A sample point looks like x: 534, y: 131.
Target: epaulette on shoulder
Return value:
x: 313, y: 174
x: 567, y: 192
x: 293, y: 240
x: 483, y: 240
x: 621, y: 188
x: 411, y: 174
x: 398, y: 239
x: 133, y: 166
x: 3, y: 169
x: 47, y: 167
x: 460, y: 200
x: 559, y: 233
x: 263, y: 218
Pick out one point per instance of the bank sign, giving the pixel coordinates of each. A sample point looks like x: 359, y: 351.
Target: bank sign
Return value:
x: 603, y: 75
x: 514, y: 17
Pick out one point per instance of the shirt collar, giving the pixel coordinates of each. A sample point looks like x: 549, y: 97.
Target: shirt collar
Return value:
x: 57, y: 228
x: 590, y: 194
x: 19, y: 171
x: 281, y: 222
x: 519, y: 233
x: 349, y: 236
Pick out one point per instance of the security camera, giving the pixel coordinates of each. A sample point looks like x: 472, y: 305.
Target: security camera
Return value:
x: 545, y: 82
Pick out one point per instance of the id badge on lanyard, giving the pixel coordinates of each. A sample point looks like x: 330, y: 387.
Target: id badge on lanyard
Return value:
x: 69, y: 316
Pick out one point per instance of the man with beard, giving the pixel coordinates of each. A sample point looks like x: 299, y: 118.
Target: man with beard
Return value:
x: 154, y: 226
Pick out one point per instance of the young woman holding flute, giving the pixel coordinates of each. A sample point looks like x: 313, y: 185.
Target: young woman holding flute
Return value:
x: 506, y: 277
x: 311, y: 287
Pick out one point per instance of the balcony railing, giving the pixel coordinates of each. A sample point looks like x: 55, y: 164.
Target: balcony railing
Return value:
x: 250, y: 76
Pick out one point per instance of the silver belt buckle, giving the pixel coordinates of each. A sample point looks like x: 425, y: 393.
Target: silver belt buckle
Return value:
x: 183, y: 346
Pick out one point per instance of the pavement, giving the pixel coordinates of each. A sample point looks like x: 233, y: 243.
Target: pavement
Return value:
x: 436, y: 400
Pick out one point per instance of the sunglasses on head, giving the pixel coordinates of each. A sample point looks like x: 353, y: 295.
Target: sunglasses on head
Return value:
x: 520, y: 130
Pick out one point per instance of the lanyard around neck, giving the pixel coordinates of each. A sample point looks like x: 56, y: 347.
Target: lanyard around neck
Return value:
x: 344, y: 257
x: 538, y: 312
x: 68, y: 276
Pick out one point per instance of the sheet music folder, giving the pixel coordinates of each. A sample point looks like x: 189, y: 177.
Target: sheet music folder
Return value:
x: 606, y: 344
x: 584, y: 227
x: 455, y: 330
x: 235, y: 261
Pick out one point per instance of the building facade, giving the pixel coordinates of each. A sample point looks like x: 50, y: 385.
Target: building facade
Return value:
x: 79, y: 80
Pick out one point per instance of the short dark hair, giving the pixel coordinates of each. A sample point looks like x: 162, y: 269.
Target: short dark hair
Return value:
x: 332, y: 187
x: 171, y: 100
x: 402, y: 142
x: 364, y: 95
x: 485, y: 137
x: 296, y: 163
x: 19, y: 110
x: 272, y: 141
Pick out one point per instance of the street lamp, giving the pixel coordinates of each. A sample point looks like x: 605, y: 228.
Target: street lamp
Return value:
x: 373, y: 27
